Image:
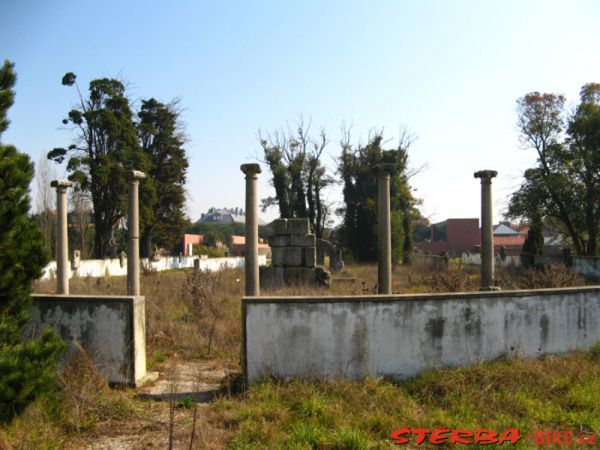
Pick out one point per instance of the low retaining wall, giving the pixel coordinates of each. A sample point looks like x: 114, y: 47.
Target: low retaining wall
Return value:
x: 110, y: 328
x: 116, y: 267
x: 399, y: 336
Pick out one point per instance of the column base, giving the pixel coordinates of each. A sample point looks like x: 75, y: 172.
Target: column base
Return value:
x: 490, y: 288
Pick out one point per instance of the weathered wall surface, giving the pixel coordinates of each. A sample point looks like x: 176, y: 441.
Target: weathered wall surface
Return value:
x: 110, y: 328
x: 401, y: 336
x: 114, y: 267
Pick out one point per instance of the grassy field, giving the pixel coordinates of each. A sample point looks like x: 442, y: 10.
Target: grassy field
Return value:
x: 196, y: 317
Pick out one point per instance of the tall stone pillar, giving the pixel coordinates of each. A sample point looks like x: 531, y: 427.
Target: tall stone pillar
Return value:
x: 384, y: 254
x: 62, y: 236
x: 487, y: 232
x: 133, y: 231
x: 251, y: 249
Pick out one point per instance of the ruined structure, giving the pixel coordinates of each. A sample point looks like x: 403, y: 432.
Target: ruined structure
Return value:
x: 294, y: 255
x: 326, y: 248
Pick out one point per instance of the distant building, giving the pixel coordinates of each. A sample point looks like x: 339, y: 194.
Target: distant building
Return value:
x: 510, y: 237
x: 238, y: 245
x: 225, y: 216
x: 189, y: 240
x: 453, y: 236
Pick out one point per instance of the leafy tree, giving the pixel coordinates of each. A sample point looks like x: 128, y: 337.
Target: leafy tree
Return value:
x: 26, y: 366
x: 564, y: 187
x: 534, y: 244
x: 162, y: 141
x: 105, y: 149
x: 298, y: 175
x: 359, y: 227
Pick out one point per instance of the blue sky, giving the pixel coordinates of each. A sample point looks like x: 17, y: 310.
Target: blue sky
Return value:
x: 449, y: 71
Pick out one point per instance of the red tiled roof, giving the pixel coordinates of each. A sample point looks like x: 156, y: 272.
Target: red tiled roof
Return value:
x: 509, y: 240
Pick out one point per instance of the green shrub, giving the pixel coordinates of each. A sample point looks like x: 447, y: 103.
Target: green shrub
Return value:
x: 26, y: 366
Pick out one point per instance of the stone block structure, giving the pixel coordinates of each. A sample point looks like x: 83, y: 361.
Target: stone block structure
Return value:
x: 294, y: 256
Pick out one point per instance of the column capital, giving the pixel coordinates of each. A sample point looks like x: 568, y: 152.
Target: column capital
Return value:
x: 61, y: 184
x: 136, y: 175
x: 250, y: 169
x: 383, y: 169
x: 485, y: 175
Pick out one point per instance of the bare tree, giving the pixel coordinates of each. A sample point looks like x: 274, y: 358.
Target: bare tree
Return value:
x: 45, y: 202
x: 81, y: 221
x: 298, y: 175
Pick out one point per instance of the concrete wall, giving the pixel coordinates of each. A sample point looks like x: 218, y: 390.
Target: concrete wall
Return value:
x: 400, y: 336
x: 114, y: 267
x: 110, y: 328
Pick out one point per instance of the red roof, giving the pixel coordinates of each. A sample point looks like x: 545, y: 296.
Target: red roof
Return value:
x: 509, y: 240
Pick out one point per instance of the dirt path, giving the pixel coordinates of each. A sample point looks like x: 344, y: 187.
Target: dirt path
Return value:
x: 187, y: 385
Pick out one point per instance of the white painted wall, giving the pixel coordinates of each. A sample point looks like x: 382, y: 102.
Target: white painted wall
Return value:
x: 401, y: 336
x: 584, y: 265
x: 113, y: 267
x: 508, y: 261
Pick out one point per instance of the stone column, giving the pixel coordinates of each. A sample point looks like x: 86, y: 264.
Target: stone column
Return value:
x: 251, y: 249
x: 487, y: 232
x: 62, y: 236
x: 133, y: 231
x: 384, y: 254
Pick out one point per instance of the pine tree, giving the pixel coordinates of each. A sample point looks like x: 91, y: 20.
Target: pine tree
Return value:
x: 26, y: 366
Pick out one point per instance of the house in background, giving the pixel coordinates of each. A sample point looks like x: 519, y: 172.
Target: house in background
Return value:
x: 456, y: 236
x: 509, y: 238
x: 189, y: 240
x: 238, y: 245
x: 453, y: 236
x: 225, y: 216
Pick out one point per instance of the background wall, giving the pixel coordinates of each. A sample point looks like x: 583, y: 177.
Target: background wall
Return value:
x: 116, y: 267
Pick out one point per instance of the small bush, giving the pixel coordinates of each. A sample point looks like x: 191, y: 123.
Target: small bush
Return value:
x: 447, y: 277
x: 552, y: 276
x: 211, y: 252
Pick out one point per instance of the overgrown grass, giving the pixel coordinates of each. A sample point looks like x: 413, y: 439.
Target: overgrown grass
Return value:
x: 554, y: 393
x: 82, y: 403
x: 191, y: 315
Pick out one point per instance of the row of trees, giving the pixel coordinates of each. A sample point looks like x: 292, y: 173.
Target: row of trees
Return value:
x: 563, y: 188
x: 110, y: 141
x: 299, y: 177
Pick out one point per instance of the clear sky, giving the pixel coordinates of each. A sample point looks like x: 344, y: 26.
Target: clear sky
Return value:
x: 449, y: 71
